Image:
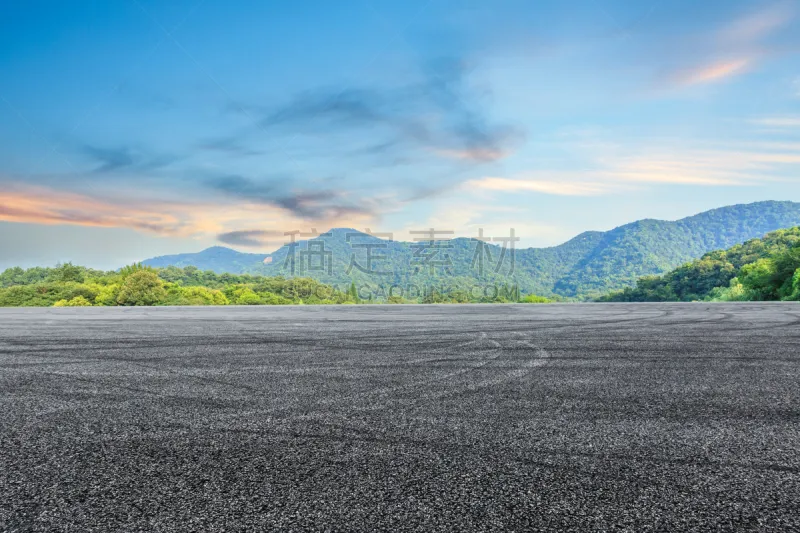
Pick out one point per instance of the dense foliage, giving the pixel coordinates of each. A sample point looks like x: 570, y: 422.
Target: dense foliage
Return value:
x: 69, y: 285
x: 760, y: 269
x: 138, y: 285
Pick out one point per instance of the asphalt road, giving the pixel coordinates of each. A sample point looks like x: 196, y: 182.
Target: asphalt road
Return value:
x: 597, y: 417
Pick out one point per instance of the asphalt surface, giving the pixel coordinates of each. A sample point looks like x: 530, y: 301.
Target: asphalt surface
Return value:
x: 596, y: 417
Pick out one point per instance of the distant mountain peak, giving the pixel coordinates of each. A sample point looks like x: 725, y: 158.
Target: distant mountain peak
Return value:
x: 218, y: 248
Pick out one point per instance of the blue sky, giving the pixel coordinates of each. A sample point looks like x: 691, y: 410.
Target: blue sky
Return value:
x: 136, y: 128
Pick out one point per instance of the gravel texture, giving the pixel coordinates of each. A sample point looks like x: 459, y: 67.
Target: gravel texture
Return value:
x: 595, y: 417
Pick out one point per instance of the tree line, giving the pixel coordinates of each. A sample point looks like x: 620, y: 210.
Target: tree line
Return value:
x: 68, y: 285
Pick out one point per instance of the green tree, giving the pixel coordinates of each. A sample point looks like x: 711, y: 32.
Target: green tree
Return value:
x: 795, y: 294
x: 246, y: 296
x: 127, y: 270
x: 68, y: 272
x: 107, y: 295
x: 203, y: 296
x: 352, y: 292
x: 141, y: 287
x: 759, y: 278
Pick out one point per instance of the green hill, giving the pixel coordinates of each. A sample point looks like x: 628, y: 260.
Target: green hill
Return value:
x: 759, y: 269
x: 217, y: 259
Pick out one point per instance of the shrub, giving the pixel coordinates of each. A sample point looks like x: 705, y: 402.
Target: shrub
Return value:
x: 44, y: 294
x: 201, y: 296
x: 534, y: 299
x: 269, y: 298
x: 78, y: 301
x: 795, y: 294
x: 734, y: 292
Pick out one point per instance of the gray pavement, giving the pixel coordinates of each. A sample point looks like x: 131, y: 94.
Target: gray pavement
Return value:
x: 595, y: 417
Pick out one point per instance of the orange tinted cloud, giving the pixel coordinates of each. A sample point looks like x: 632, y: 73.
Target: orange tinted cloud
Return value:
x: 712, y: 72
x: 41, y: 205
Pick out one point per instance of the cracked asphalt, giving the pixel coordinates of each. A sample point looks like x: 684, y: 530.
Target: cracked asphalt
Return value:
x: 574, y: 417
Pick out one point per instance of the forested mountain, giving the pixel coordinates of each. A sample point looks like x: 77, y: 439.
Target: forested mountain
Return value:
x: 591, y: 264
x: 759, y: 269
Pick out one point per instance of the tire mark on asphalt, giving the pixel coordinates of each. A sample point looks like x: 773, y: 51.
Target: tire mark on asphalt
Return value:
x: 365, y: 435
x: 384, y: 392
x: 525, y: 368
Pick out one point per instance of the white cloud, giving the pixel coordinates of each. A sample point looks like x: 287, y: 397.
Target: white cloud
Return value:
x: 786, y: 121
x: 635, y: 166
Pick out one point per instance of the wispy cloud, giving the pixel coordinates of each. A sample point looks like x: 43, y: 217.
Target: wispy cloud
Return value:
x: 756, y: 25
x: 789, y: 121
x: 41, y: 205
x: 229, y: 146
x: 124, y: 159
x: 638, y: 166
x: 21, y: 202
x: 441, y: 115
x: 733, y: 50
x: 712, y: 72
x: 318, y: 204
x: 475, y: 154
x: 683, y: 170
x: 253, y: 238
x: 561, y: 188
x: 727, y: 166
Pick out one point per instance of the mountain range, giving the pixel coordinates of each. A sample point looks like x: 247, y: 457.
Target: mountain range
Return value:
x: 587, y: 265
